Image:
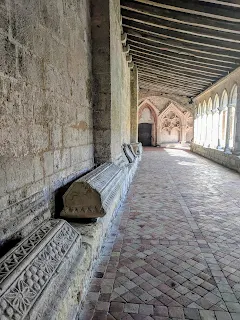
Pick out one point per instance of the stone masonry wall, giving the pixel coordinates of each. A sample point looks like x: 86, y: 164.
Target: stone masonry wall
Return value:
x: 45, y: 105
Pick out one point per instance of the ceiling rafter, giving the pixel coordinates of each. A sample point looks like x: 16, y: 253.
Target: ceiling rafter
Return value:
x: 180, y: 46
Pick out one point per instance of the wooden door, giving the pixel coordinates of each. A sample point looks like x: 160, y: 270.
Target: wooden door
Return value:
x: 145, y: 134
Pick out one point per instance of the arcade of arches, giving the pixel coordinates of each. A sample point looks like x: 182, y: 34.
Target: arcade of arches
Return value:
x: 107, y: 211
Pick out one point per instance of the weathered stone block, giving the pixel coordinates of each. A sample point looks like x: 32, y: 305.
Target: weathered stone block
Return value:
x: 62, y: 159
x: 94, y: 194
x: 19, y: 172
x: 48, y: 163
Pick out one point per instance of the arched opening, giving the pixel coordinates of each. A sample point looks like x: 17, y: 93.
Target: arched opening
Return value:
x: 223, y: 118
x: 204, y: 123
x: 232, y: 124
x: 147, y: 125
x: 196, y: 125
x: 215, y: 121
x: 208, y: 140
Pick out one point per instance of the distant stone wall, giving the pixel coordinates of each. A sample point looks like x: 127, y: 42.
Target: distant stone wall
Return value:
x: 228, y: 160
x: 45, y: 105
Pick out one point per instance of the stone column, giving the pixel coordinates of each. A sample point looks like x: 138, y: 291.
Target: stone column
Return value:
x: 219, y: 129
x: 134, y: 106
x: 229, y: 119
x: 236, y: 143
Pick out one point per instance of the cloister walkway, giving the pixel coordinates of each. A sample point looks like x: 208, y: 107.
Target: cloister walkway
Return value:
x: 174, y: 252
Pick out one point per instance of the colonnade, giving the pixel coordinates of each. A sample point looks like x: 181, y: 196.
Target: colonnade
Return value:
x: 216, y: 124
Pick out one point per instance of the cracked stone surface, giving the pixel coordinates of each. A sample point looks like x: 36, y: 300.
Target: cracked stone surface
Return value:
x: 174, y: 252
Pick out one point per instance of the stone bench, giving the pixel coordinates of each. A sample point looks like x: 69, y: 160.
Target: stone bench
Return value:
x: 33, y: 273
x: 95, y: 194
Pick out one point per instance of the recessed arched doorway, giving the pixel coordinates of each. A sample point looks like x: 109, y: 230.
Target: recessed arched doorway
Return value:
x: 145, y: 134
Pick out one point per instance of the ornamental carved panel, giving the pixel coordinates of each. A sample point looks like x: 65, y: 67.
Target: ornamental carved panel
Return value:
x: 170, y: 121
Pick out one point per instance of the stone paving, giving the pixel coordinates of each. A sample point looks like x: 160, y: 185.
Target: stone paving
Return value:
x: 174, y: 252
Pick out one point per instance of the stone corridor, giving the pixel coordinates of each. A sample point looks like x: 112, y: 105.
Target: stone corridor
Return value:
x: 174, y: 251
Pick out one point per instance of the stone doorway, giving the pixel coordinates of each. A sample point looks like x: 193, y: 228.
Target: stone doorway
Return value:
x: 145, y: 134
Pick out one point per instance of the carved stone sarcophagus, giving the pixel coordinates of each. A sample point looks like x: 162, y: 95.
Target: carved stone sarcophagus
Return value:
x: 94, y: 194
x: 33, y: 271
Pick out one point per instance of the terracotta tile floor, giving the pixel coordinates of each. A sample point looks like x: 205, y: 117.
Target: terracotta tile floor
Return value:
x: 174, y: 252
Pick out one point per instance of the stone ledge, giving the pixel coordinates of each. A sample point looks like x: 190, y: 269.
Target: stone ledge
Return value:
x: 230, y: 161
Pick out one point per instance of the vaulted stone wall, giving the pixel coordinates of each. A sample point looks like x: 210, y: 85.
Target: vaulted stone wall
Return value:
x: 45, y: 104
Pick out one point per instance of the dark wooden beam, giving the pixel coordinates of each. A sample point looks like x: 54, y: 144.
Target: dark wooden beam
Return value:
x: 170, y: 81
x: 177, y: 48
x: 173, y: 61
x: 181, y: 17
x: 230, y: 3
x: 210, y: 45
x: 149, y: 69
x: 215, y: 36
x: 181, y: 57
x: 173, y: 71
x: 175, y: 90
x: 174, y: 66
x: 195, y: 7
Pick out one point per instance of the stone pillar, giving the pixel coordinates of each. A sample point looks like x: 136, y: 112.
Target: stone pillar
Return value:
x: 229, y: 119
x: 236, y: 144
x: 100, y: 24
x: 134, y: 106
x: 219, y: 129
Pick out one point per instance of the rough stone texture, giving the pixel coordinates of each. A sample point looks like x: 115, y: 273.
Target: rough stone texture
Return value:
x: 174, y: 253
x: 111, y: 75
x: 45, y: 105
x: 228, y: 160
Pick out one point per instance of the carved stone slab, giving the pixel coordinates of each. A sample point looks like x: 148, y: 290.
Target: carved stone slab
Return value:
x: 28, y: 270
x: 94, y: 194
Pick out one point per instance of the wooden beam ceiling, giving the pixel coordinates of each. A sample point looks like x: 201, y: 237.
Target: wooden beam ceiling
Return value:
x: 182, y: 45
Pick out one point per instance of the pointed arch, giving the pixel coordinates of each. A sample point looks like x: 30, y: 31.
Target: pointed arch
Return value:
x: 233, y: 95
x: 232, y: 105
x: 147, y: 104
x: 208, y: 139
x: 215, y: 121
x: 170, y: 122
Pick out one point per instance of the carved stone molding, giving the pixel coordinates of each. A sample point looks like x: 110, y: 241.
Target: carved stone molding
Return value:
x: 27, y: 271
x: 91, y: 195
